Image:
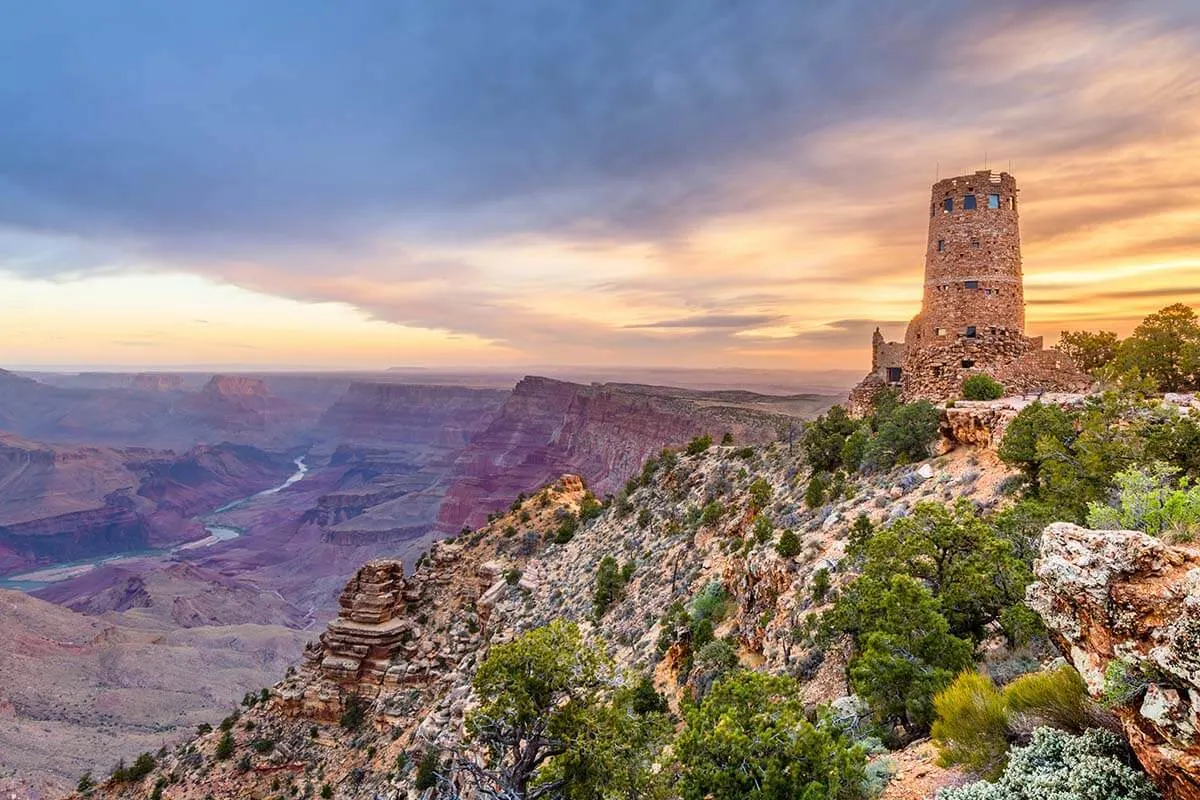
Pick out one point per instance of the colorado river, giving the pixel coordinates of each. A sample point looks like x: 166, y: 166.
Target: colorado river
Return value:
x: 30, y: 581
x: 223, y: 533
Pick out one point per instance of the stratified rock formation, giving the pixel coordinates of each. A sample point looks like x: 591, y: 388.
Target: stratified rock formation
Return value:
x: 446, y: 416
x: 1124, y: 607
x: 61, y: 503
x: 603, y: 432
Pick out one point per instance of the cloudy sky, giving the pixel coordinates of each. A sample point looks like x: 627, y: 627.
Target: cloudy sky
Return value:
x: 691, y: 183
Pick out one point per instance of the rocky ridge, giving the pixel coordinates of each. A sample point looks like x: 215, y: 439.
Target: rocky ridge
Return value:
x: 401, y: 654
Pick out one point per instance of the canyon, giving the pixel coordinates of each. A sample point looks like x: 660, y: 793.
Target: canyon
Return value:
x: 111, y: 486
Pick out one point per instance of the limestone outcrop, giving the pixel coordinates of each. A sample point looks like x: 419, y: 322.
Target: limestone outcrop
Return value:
x: 1124, y: 607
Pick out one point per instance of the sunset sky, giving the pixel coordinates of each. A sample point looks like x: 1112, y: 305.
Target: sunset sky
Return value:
x: 695, y: 183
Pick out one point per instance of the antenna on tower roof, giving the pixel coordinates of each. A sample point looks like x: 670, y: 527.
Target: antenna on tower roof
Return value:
x: 985, y: 159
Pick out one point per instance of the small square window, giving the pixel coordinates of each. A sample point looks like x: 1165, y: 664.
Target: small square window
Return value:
x: 967, y: 363
x: 948, y: 204
x: 970, y: 331
x: 941, y: 245
x: 970, y: 284
x: 969, y: 202
x: 941, y: 331
x: 893, y: 374
x: 974, y: 244
x: 993, y: 201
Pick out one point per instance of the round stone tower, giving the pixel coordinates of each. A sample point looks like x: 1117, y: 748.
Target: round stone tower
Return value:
x: 972, y: 260
x: 972, y: 315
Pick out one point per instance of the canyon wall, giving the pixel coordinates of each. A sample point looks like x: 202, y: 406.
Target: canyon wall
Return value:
x: 603, y: 432
x: 61, y: 504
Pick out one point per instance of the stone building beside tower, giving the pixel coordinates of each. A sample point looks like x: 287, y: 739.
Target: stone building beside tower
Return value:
x: 972, y: 317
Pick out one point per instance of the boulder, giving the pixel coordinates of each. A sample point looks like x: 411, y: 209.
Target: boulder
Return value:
x: 1124, y: 608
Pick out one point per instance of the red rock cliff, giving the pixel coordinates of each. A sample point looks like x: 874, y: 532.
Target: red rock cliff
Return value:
x: 602, y: 432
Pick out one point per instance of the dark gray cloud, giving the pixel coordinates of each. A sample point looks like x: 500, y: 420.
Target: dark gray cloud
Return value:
x: 234, y: 128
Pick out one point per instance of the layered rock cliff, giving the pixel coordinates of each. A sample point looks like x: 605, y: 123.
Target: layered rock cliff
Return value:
x: 1124, y: 608
x: 444, y: 416
x: 603, y: 432
x: 61, y: 504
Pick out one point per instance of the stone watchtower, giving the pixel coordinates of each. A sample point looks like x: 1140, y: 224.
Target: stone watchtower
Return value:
x: 972, y: 316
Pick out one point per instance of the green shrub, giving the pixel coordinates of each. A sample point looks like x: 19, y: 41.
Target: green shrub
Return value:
x: 1151, y: 500
x: 820, y: 585
x: 1019, y: 447
x: 698, y: 445
x: 907, y: 653
x: 566, y: 529
x: 644, y: 518
x: 589, y: 507
x: 749, y: 739
x: 855, y: 447
x: 711, y: 604
x: 1123, y: 683
x: 1057, y: 698
x: 712, y: 513
x: 609, y: 585
x: 762, y: 529
x: 904, y: 436
x: 427, y: 770
x: 788, y: 545
x: 353, y: 714
x: 1059, y: 766
x: 225, y: 746
x: 142, y: 766
x: 326, y: 791
x: 973, y: 727
x: 982, y: 387
x: 760, y: 494
x: 1021, y: 625
x: 86, y: 784
x: 814, y: 494
x: 825, y: 437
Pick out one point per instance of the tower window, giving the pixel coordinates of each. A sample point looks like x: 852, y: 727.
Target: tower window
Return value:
x: 948, y: 204
x: 993, y: 201
x: 940, y: 331
x: 974, y: 244
x: 893, y: 374
x: 970, y: 331
x: 969, y: 202
x: 967, y: 363
x: 970, y: 284
x: 941, y: 245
